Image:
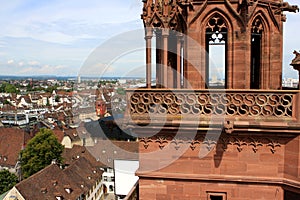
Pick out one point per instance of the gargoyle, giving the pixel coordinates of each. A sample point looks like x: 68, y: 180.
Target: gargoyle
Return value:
x: 296, y: 60
x: 285, y: 6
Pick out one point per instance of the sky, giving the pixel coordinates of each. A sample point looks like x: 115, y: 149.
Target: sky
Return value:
x: 58, y: 37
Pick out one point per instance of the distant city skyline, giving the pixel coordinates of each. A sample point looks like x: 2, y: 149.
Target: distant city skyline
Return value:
x: 56, y: 37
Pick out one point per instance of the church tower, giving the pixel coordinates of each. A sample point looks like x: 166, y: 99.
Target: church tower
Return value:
x: 217, y: 125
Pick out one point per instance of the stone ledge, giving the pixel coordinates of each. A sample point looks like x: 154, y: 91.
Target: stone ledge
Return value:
x: 220, y: 178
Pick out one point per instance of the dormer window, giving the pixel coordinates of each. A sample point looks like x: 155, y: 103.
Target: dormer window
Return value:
x: 68, y: 190
x: 59, y: 198
x: 104, y: 178
x: 54, y: 183
x: 44, y: 190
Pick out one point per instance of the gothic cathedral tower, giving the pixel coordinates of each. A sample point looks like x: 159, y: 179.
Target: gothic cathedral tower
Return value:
x: 217, y: 125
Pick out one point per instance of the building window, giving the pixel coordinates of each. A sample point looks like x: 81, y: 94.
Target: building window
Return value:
x: 216, y: 196
x: 216, y: 45
x: 111, y: 188
x: 68, y: 190
x: 59, y: 198
x: 104, y: 178
x: 256, y: 36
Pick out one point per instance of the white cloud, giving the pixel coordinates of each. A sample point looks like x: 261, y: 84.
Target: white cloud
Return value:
x: 10, y: 61
x: 65, y: 21
x: 61, y: 34
x: 33, y: 63
x: 27, y: 70
x: 44, y: 70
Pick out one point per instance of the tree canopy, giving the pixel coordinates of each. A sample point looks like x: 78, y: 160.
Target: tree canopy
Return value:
x: 7, y: 181
x: 40, y: 152
x: 8, y: 88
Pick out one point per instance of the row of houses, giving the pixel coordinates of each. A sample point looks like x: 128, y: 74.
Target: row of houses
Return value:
x: 99, y: 153
x: 79, y: 181
x: 35, y: 100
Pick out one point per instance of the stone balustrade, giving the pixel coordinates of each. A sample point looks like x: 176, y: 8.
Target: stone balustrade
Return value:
x: 239, y: 104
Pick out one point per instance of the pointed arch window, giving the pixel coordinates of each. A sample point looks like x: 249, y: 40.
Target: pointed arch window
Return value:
x: 216, y: 48
x: 256, y: 46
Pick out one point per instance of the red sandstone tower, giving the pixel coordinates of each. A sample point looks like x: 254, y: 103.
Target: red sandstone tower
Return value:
x: 217, y: 125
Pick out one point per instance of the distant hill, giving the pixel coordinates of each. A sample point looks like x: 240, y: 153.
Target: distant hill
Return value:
x: 42, y: 77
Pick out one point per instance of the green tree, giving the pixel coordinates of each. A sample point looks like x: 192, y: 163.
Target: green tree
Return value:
x: 7, y: 181
x: 121, y: 91
x: 48, y: 103
x: 9, y: 88
x: 57, y: 98
x: 40, y: 152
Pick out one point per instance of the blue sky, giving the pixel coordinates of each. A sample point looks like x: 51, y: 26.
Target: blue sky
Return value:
x: 56, y: 37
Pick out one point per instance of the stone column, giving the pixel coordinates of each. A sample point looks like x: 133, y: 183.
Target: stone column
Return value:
x: 178, y: 70
x: 165, y: 36
x: 158, y: 59
x: 148, y: 39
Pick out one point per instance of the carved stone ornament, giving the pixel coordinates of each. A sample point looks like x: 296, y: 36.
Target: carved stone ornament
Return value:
x: 161, y: 142
x: 177, y: 142
x: 285, y: 6
x: 163, y: 13
x: 296, y: 60
x: 210, y: 143
x: 205, y: 103
x: 146, y: 142
x: 273, y: 144
x: 253, y: 143
x: 193, y: 144
x: 239, y: 142
x: 228, y: 127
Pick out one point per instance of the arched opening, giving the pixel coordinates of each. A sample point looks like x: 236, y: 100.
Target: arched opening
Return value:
x: 256, y: 50
x: 216, y: 48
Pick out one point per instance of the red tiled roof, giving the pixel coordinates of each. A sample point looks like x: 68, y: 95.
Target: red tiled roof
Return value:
x: 72, y: 133
x: 59, y: 134
x: 106, y: 151
x: 71, y: 155
x: 53, y: 181
x: 12, y: 141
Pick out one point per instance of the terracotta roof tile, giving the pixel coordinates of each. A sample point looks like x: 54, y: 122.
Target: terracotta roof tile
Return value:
x: 59, y: 134
x: 12, y: 141
x: 71, y: 155
x: 53, y: 181
x: 106, y: 151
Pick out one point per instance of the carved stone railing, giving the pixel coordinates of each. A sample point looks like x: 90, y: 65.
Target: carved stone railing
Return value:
x: 241, y: 104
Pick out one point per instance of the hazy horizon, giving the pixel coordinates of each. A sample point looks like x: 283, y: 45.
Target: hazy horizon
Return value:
x: 56, y: 38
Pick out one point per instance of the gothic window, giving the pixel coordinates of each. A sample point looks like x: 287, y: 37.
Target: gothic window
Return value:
x: 216, y: 45
x: 256, y: 37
